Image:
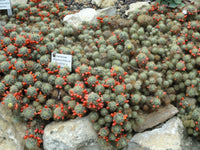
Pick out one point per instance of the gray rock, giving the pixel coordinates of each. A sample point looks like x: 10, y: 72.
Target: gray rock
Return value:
x: 82, y: 1
x: 108, y: 3
x: 156, y: 117
x: 75, y: 134
x: 97, y: 2
x: 104, y: 3
x: 96, y: 146
x: 87, y: 14
x: 168, y: 137
x: 110, y: 11
x: 191, y: 143
x: 134, y: 6
x: 11, y: 130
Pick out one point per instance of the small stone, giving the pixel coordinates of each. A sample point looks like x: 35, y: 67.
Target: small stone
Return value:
x: 75, y: 134
x: 108, y: 3
x: 134, y: 6
x: 69, y: 135
x: 12, y: 130
x: 97, y: 2
x: 87, y: 14
x: 169, y: 136
x: 110, y: 11
x: 156, y: 117
x: 104, y: 3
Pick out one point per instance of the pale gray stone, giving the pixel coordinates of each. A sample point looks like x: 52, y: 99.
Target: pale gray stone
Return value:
x: 110, y: 11
x: 87, y: 14
x: 135, y: 6
x: 108, y: 3
x: 104, y: 3
x: 97, y: 2
x: 75, y: 134
x: 156, y: 117
x: 11, y: 130
x: 96, y: 146
x: 69, y: 135
x: 82, y: 1
x: 168, y: 137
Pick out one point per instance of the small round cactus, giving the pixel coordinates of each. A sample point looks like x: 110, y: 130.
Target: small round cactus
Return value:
x: 112, y: 106
x: 120, y: 99
x: 31, y: 143
x: 9, y: 80
x: 28, y: 79
x: 29, y: 112
x: 154, y: 102
x: 94, y: 101
x: 46, y: 88
x: 79, y: 110
x: 118, y: 118
x: 2, y: 88
x: 117, y: 129
x: 122, y: 142
x: 103, y: 132
x: 59, y: 82
x: 58, y: 113
x: 46, y: 113
x: 31, y: 92
x: 93, y: 116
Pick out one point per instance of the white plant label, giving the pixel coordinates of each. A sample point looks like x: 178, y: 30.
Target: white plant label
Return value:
x: 5, y: 4
x: 62, y: 59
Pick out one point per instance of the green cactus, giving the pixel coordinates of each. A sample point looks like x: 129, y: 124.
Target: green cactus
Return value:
x: 79, y: 110
x: 46, y: 88
x: 31, y: 143
x: 29, y: 112
x: 46, y: 113
x: 103, y: 132
x: 9, y: 80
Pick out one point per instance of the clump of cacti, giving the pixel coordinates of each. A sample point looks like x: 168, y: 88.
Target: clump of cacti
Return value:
x: 120, y: 69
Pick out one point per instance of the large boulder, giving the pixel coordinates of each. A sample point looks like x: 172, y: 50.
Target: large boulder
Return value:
x: 169, y: 136
x: 75, y: 134
x: 12, y: 130
x: 88, y: 15
x: 110, y: 11
x: 135, y: 6
x: 153, y: 119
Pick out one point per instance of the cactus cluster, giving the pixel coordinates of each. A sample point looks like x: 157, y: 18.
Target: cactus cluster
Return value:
x: 120, y: 69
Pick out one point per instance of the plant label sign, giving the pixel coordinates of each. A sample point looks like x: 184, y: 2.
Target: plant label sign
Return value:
x: 5, y: 4
x: 62, y: 59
